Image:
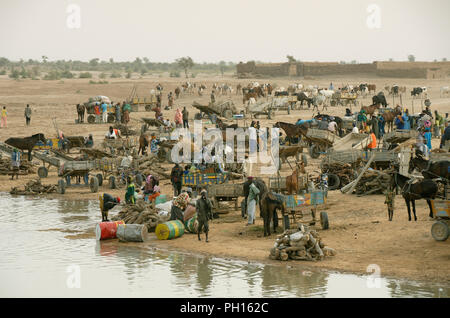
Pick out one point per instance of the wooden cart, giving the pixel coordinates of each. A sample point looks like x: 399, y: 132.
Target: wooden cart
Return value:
x: 303, y: 209
x: 440, y: 230
x: 320, y: 141
x: 120, y: 146
x: 225, y: 192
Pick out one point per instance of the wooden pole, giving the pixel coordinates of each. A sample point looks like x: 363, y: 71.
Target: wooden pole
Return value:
x: 372, y: 157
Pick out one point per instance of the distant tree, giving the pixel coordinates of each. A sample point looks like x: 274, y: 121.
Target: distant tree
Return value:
x: 185, y: 63
x: 94, y: 62
x: 290, y: 59
x: 14, y: 74
x: 4, y: 61
x: 353, y: 62
x: 435, y: 60
x: 44, y: 59
x: 391, y: 60
x: 111, y: 60
x: 444, y: 59
x: 411, y: 58
x: 222, y: 66
x: 342, y: 62
x: 146, y: 60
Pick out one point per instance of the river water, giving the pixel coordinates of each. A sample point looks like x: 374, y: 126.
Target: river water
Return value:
x: 45, y: 252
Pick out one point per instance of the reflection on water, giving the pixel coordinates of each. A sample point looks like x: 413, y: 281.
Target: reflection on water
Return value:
x: 36, y: 254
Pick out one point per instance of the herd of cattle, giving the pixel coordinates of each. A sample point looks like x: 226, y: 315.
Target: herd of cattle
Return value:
x: 311, y: 94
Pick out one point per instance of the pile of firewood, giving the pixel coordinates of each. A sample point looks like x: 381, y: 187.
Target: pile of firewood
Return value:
x: 150, y: 165
x: 344, y: 171
x: 302, y: 244
x: 373, y: 182
x: 141, y: 213
x: 26, y: 167
x: 34, y: 187
x: 125, y: 130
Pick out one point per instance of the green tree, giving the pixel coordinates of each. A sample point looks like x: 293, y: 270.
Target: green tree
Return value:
x: 411, y: 58
x: 185, y: 63
x: 444, y: 59
x: 44, y: 59
x: 94, y: 62
x: 290, y: 59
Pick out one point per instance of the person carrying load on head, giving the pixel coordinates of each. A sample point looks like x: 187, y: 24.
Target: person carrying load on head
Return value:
x: 107, y: 202
x: 179, y: 204
x: 203, y: 207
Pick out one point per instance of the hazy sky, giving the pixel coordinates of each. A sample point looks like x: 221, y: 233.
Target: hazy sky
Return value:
x: 230, y: 30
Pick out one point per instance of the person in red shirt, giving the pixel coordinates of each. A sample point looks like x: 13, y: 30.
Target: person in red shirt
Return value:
x: 97, y: 113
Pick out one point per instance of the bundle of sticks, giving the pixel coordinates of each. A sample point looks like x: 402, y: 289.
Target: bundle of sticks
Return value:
x: 141, y: 213
x: 373, y: 182
x: 26, y: 167
x: 150, y: 165
x: 300, y: 244
x: 34, y: 187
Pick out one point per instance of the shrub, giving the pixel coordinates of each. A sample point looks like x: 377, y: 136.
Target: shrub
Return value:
x: 128, y: 75
x: 102, y: 75
x: 67, y: 74
x: 115, y: 75
x: 3, y: 72
x: 175, y: 74
x: 85, y: 75
x: 52, y: 76
x: 14, y: 74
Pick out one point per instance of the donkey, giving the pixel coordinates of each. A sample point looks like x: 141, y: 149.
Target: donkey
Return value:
x: 26, y: 143
x: 270, y: 203
x: 425, y: 189
x: 81, y: 109
x: 429, y: 169
x: 292, y: 180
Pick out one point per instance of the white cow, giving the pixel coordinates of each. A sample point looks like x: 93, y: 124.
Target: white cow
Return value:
x: 327, y: 93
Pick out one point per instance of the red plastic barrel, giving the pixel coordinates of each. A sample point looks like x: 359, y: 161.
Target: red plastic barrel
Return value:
x: 107, y: 230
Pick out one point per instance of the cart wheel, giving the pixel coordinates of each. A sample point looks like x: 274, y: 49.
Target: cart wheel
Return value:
x: 112, y: 182
x: 440, y: 231
x: 139, y: 179
x: 324, y: 220
x: 305, y: 160
x: 42, y: 172
x: 61, y: 186
x: 100, y: 179
x: 111, y: 118
x: 148, y: 108
x: 314, y: 151
x: 91, y: 119
x: 93, y: 184
x: 198, y: 116
x: 333, y: 181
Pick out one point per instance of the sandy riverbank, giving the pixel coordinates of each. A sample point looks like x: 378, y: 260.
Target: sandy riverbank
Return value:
x: 359, y: 226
